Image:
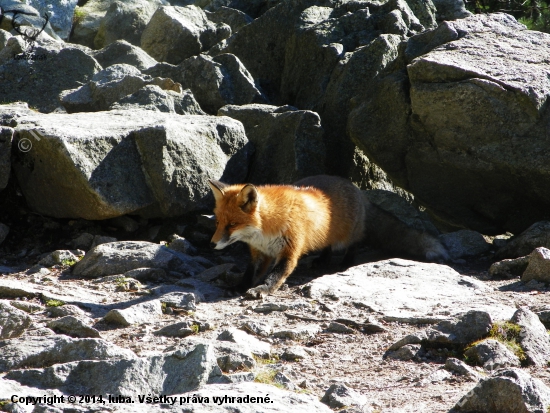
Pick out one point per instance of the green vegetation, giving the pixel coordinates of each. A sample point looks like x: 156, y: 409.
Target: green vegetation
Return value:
x: 508, y: 334
x: 195, y: 328
x: 78, y: 15
x: 67, y: 262
x: 267, y: 376
x: 122, y: 282
x: 261, y: 361
x: 54, y: 303
x: 535, y: 14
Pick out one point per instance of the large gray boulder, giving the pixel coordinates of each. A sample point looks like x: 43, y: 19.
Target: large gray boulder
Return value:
x: 87, y: 20
x: 107, y: 164
x: 108, y: 21
x: 11, y: 112
x: 507, y: 391
x: 60, y: 67
x: 478, y: 88
x: 188, y: 367
x: 492, y: 355
x: 175, y: 33
x: 538, y: 267
x: 105, y: 88
x: 152, y: 97
x: 74, y: 326
x: 142, y: 313
x: 261, y: 45
x: 465, y: 243
x: 450, y: 294
x: 510, y: 268
x: 470, y: 327
x: 13, y: 322
x: 125, y: 20
x: 120, y: 257
x: 533, y: 337
x: 121, y: 51
x: 318, y: 55
x: 537, y: 235
x: 288, y: 142
x: 232, y: 17
x: 37, y: 351
x: 218, y: 81
x: 402, y: 208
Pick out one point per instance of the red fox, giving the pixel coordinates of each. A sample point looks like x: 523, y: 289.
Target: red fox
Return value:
x: 280, y: 223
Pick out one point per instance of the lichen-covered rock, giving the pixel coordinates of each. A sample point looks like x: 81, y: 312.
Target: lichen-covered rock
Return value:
x: 87, y: 20
x: 451, y: 294
x: 11, y: 112
x: 492, y: 355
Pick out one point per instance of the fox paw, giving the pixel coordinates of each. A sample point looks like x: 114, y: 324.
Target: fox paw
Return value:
x: 258, y: 292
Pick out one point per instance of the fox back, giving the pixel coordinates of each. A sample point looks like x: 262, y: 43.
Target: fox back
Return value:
x: 315, y: 213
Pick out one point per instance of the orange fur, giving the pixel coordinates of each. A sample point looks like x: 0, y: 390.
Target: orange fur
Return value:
x: 282, y: 222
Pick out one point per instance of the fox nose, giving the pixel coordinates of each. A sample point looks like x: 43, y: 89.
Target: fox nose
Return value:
x: 212, y: 245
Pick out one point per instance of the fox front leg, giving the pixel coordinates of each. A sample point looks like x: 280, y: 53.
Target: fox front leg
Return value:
x: 274, y: 279
x: 259, y: 264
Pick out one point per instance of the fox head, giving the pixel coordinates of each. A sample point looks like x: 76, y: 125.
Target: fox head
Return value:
x: 236, y: 213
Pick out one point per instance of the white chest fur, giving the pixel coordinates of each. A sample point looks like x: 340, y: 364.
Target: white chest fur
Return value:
x: 269, y: 245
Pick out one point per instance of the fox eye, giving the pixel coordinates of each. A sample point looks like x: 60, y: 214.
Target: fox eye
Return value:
x: 232, y: 224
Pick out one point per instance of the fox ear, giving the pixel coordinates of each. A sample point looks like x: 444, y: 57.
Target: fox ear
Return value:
x: 217, y: 188
x: 248, y: 198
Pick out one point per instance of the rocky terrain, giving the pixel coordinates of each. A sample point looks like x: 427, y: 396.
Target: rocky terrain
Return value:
x: 113, y: 116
